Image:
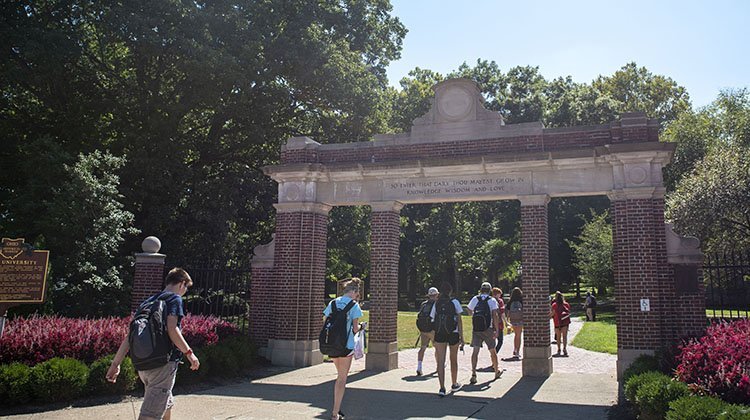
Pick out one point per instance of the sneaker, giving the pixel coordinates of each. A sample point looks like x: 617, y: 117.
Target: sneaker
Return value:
x: 473, y: 379
x: 455, y: 387
x: 441, y: 392
x: 419, y: 373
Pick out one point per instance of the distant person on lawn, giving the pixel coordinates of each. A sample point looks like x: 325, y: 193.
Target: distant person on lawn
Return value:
x: 424, y: 324
x: 590, y: 307
x: 560, y: 314
x: 483, y: 309
x: 157, y: 398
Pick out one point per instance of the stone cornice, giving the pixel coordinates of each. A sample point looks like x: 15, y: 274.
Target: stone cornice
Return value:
x: 381, y: 206
x: 302, y: 207
x: 534, y: 200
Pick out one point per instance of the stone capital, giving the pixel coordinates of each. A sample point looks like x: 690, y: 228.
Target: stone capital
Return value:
x: 149, y: 258
x: 636, y: 193
x: 263, y: 255
x: 302, y: 207
x: 534, y: 200
x: 381, y: 206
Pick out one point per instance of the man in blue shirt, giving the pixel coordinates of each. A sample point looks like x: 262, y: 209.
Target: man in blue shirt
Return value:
x: 157, y: 399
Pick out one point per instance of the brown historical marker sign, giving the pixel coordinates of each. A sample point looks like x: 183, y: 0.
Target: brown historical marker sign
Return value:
x: 23, y: 273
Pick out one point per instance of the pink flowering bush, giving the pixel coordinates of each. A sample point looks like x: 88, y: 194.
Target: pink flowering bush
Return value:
x: 38, y: 338
x: 719, y: 363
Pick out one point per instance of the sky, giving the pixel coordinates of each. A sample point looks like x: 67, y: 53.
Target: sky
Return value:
x: 702, y: 45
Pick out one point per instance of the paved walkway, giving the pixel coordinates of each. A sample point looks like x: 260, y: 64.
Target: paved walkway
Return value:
x: 398, y: 394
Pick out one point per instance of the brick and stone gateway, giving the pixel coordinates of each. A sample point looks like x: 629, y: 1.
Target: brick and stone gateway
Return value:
x: 460, y: 151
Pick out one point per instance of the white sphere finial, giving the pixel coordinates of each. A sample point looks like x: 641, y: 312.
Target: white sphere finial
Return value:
x: 151, y: 244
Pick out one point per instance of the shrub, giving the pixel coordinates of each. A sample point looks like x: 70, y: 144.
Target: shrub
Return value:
x: 696, y: 407
x: 59, y: 379
x: 38, y: 338
x: 654, y: 395
x: 642, y: 364
x: 224, y: 362
x: 186, y: 376
x: 15, y: 384
x: 719, y: 362
x: 125, y: 382
x: 244, y: 350
x: 636, y: 381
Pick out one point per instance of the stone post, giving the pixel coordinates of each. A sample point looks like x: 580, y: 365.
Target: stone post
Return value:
x: 382, y: 352
x: 262, y: 296
x: 537, y: 355
x: 644, y: 291
x: 149, y: 272
x: 299, y: 267
x: 686, y: 259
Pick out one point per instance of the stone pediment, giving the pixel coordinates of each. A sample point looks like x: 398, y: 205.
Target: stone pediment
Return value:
x: 457, y: 112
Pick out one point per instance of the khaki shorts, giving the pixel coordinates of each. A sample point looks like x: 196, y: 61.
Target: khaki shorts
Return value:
x: 158, y: 396
x: 425, y: 338
x: 487, y: 337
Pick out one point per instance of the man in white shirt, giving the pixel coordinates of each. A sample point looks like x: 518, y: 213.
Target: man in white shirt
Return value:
x: 483, y: 309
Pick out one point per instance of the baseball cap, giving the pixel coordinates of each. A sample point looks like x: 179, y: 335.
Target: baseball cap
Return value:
x: 432, y: 291
x: 486, y: 286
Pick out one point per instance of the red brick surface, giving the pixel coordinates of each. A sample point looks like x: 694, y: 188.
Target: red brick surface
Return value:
x: 148, y: 280
x: 384, y: 254
x: 295, y: 299
x: 262, y: 292
x: 535, y: 275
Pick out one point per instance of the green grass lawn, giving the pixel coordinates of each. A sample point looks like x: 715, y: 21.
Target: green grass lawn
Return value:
x: 408, y: 332
x: 600, y: 336
x: 718, y: 313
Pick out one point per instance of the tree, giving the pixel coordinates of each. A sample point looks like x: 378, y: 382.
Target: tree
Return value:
x: 593, y: 252
x: 89, y: 228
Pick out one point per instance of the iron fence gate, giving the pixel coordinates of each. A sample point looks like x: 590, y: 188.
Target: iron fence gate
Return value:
x: 219, y: 290
x: 727, y: 279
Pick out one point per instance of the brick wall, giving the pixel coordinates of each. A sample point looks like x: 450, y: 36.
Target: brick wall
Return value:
x: 298, y: 275
x: 629, y: 130
x: 639, y: 248
x: 262, y: 294
x: 148, y: 280
x: 535, y: 275
x: 384, y: 255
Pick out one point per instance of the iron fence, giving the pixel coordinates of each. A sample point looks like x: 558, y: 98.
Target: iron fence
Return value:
x: 219, y: 290
x: 727, y: 279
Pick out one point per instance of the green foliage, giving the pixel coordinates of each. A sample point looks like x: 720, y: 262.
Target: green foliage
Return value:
x: 635, y: 382
x: 654, y: 395
x: 696, y: 407
x: 187, y: 376
x: 223, y: 360
x: 15, y: 384
x: 98, y: 384
x: 593, y: 252
x: 59, y: 379
x: 244, y: 350
x: 597, y: 336
x: 642, y: 364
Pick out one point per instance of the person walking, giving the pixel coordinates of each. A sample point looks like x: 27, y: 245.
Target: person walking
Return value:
x: 351, y: 293
x: 497, y: 293
x: 159, y: 381
x: 515, y: 316
x: 425, y: 325
x: 590, y: 307
x: 483, y: 309
x: 560, y: 315
x: 449, y: 335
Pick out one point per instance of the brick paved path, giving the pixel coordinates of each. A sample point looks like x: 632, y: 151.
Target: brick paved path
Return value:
x: 579, y: 360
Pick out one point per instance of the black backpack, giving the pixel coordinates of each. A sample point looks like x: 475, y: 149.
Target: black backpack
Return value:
x: 424, y: 322
x: 445, y: 318
x: 481, y: 319
x: 593, y: 302
x: 335, y: 335
x: 150, y: 346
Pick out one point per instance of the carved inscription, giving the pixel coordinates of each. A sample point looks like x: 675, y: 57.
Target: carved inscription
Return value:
x: 458, y: 187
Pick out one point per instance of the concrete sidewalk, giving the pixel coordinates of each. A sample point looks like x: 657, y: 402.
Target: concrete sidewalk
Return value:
x: 399, y: 394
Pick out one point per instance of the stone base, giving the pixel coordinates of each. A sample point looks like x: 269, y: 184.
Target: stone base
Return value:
x: 625, y: 358
x: 382, y: 356
x: 294, y: 353
x: 537, y: 361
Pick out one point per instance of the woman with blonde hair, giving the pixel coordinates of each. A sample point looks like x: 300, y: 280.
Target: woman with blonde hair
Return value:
x: 351, y: 293
x: 515, y: 316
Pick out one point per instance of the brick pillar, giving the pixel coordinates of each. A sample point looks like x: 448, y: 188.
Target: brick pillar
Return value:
x: 299, y: 268
x: 149, y: 272
x: 685, y: 261
x: 382, y: 352
x: 537, y: 355
x: 642, y: 274
x: 262, y: 295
